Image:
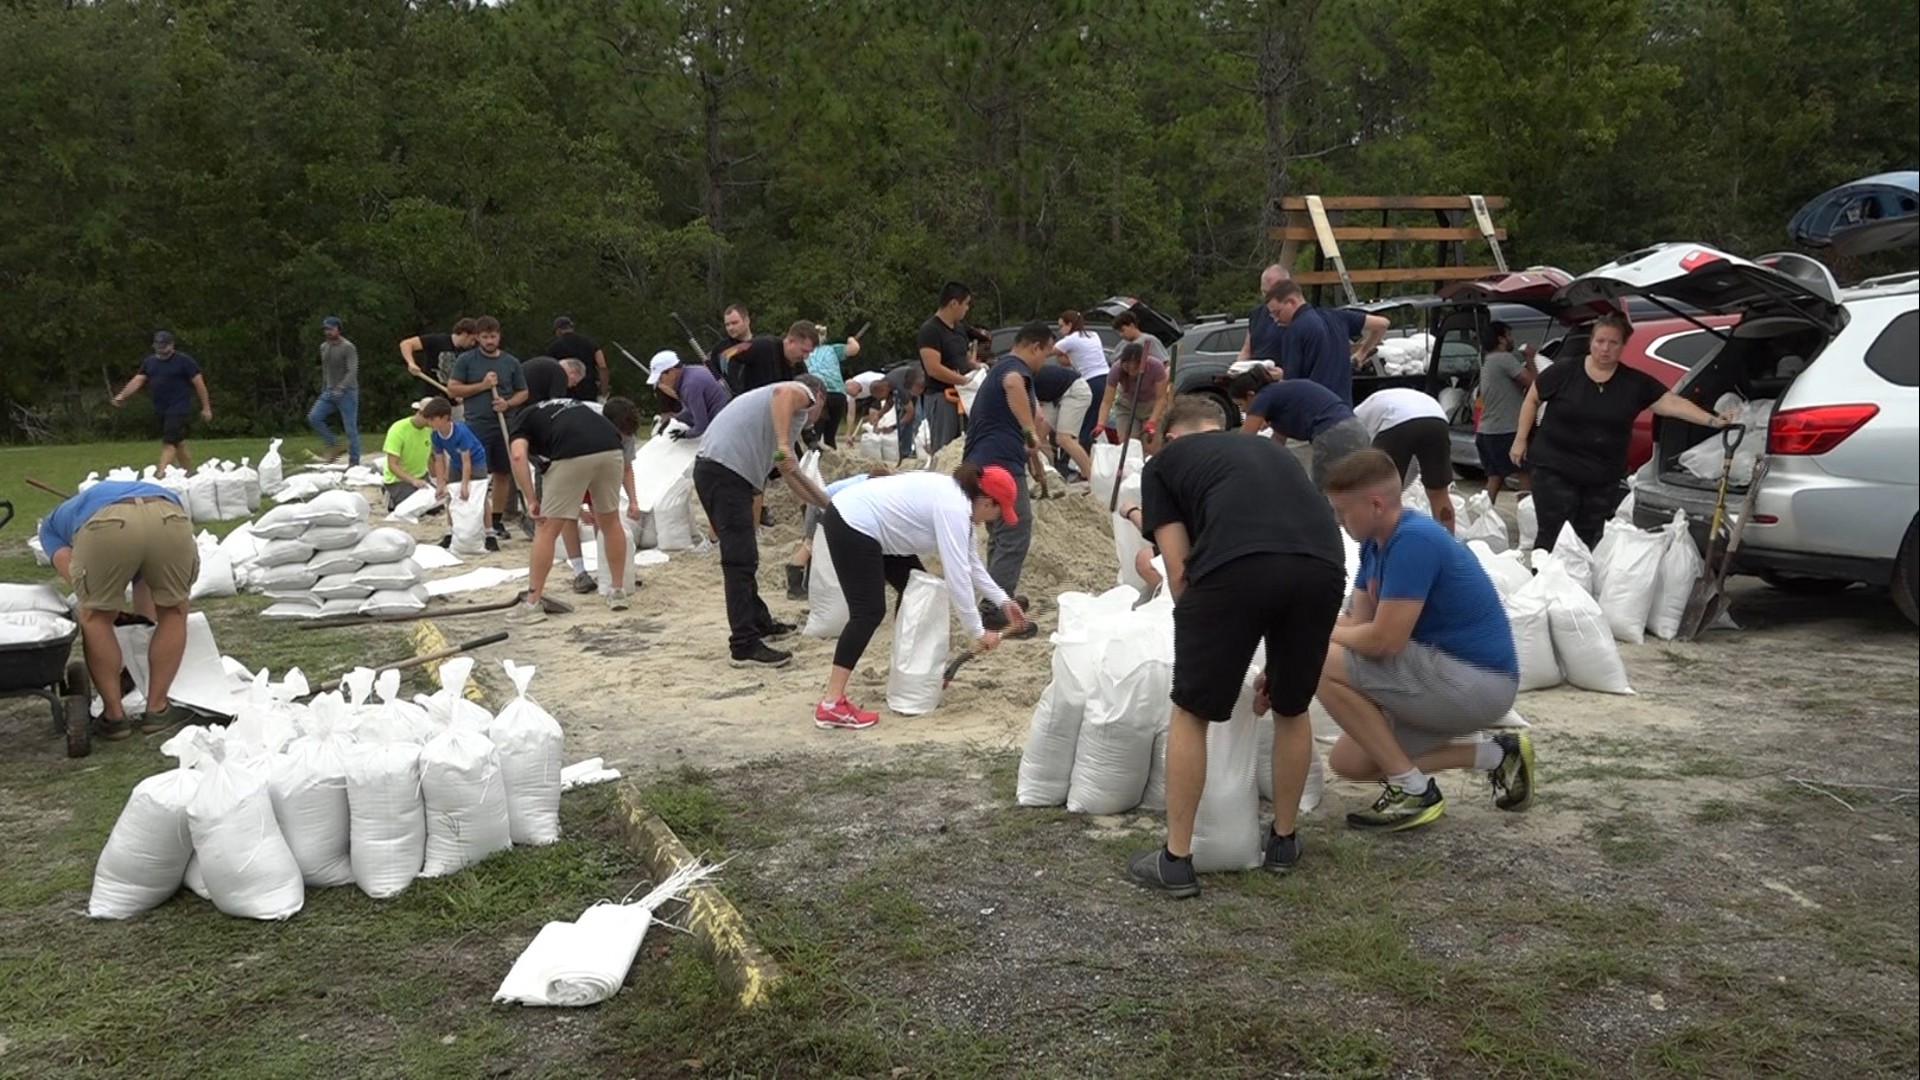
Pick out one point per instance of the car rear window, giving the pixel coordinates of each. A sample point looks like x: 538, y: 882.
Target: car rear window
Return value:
x: 1895, y: 354
x: 1687, y: 350
x: 1228, y: 340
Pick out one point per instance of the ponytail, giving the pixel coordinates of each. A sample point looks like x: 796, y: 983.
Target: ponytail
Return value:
x: 1249, y: 382
x: 1076, y: 322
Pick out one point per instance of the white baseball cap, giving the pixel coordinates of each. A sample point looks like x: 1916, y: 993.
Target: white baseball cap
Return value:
x: 422, y: 403
x: 663, y: 361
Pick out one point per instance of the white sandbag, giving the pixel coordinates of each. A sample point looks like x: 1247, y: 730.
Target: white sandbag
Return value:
x: 145, y: 857
x: 1624, y: 512
x: 405, y: 601
x: 291, y: 609
x: 673, y: 516
x: 1127, y: 704
x: 272, y: 470
x: 1154, y: 799
x: 529, y: 743
x: 230, y: 487
x: 1533, y: 636
x: 250, y: 481
x: 33, y: 627
x: 1680, y: 567
x: 919, y: 646
x: 250, y: 872
x: 1227, y: 833
x: 387, y: 823
x: 1504, y: 568
x: 269, y: 717
x: 826, y: 604
x: 467, y: 519
x: 1046, y: 763
x: 203, y: 499
x: 1581, y: 639
x: 1628, y: 576
x: 1705, y: 459
x: 309, y: 789
x: 384, y: 545
x: 400, y: 718
x: 431, y: 557
x: 404, y: 574
x: 215, y: 577
x: 1529, y: 522
x: 415, y: 506
x: 460, y: 781
x: 663, y: 488
x: 293, y: 577
x: 1316, y: 784
x: 1487, y: 527
x: 288, y: 552
x: 1108, y: 468
x: 340, y: 587
x: 341, y: 538
x: 1127, y: 544
x: 283, y: 522
x: 325, y: 564
x: 17, y: 598
x: 339, y: 508
x: 242, y: 546
x: 1574, y: 557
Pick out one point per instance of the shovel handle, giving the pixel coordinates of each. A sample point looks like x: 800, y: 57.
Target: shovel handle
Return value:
x: 428, y: 658
x: 48, y: 488
x: 1731, y: 437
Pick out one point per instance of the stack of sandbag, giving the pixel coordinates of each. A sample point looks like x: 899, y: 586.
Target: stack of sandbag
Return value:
x: 222, y: 491
x: 1582, y: 644
x: 1706, y: 458
x: 1079, y: 644
x: 1406, y: 355
x: 1126, y: 707
x: 879, y: 440
x: 33, y: 613
x: 323, y: 558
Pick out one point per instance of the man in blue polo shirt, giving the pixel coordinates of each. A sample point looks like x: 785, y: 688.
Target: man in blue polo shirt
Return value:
x: 1319, y: 341
x: 1423, y: 656
x: 112, y: 534
x: 1002, y: 429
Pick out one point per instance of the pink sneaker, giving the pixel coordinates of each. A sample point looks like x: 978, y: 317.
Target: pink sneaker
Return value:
x: 828, y: 715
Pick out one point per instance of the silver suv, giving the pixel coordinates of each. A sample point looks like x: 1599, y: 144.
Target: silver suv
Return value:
x: 1841, y: 495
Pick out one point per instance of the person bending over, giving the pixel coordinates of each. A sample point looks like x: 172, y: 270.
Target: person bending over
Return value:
x: 1410, y: 427
x: 1298, y: 409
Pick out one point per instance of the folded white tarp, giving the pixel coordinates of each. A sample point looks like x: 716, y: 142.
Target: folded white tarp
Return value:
x: 486, y: 577
x: 203, y: 682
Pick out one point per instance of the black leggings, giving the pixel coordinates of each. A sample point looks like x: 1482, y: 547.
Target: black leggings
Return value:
x: 1424, y: 440
x: 865, y: 572
x: 1559, y: 500
x: 833, y: 417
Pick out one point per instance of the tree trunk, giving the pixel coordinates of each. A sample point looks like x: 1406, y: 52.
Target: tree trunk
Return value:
x: 713, y: 167
x: 1271, y: 78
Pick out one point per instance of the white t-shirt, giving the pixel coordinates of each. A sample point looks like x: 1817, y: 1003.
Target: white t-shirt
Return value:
x: 1087, y: 355
x: 1384, y: 409
x: 926, y: 514
x: 860, y: 387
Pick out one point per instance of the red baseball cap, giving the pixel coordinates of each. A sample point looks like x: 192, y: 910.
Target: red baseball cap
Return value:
x: 998, y: 484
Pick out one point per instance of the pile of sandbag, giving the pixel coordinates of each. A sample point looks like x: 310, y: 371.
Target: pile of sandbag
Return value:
x: 1405, y: 355
x: 1476, y: 519
x: 1559, y: 630
x: 323, y: 557
x: 344, y: 790
x: 222, y: 491
x: 1706, y: 458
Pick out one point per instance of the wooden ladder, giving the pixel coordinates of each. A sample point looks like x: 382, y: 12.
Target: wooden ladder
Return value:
x: 1309, y: 218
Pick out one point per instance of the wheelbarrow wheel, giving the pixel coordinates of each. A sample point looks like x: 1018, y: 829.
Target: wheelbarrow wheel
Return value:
x: 79, y: 706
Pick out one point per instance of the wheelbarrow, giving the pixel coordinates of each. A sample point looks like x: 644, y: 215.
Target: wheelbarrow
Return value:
x: 44, y: 669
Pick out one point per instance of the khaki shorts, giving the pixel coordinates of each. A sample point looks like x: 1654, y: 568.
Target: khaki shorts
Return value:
x: 568, y: 481
x: 151, y: 540
x: 1071, y: 409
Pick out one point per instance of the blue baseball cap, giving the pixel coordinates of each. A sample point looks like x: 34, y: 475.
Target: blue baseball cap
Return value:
x: 331, y: 322
x: 162, y: 337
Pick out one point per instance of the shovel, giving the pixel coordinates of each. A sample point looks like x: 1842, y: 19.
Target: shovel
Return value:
x: 1709, y: 590
x: 428, y: 658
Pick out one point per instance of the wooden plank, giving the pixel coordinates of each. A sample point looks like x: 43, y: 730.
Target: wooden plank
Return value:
x: 1395, y: 274
x: 1392, y: 202
x: 1373, y: 232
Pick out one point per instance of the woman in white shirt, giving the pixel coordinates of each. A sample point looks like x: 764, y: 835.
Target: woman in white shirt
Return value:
x: 876, y: 532
x: 1080, y: 349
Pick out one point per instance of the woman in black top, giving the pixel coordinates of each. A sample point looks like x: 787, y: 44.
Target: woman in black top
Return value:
x: 1579, y: 453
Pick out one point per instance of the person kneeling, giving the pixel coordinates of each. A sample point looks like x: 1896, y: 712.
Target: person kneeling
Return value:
x: 1423, y: 656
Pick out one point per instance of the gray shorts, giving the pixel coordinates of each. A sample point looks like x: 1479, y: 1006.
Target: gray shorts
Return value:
x: 1431, y: 698
x: 1334, y: 443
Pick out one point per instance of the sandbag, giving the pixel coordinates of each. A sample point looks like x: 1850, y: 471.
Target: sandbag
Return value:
x: 384, y: 545
x: 1488, y: 527
x: 272, y: 470
x: 663, y: 488
x: 283, y: 522
x: 145, y: 857
x: 338, y: 508
x: 1533, y: 636
x: 1504, y: 569
x: 250, y: 872
x: 203, y: 498
x: 269, y: 718
x: 467, y: 519
x: 341, y: 538
x: 1107, y: 467
x: 387, y: 823
x: 1046, y: 763
x: 250, y: 485
x: 405, y: 601
x: 1581, y: 639
x: 1154, y: 799
x: 230, y: 493
x: 919, y: 646
x: 1127, y: 544
x: 1573, y: 556
x: 415, y: 506
x: 291, y: 609
x: 308, y: 785
x: 1226, y: 829
x: 1680, y: 567
x: 1126, y: 705
x: 19, y: 597
x: 460, y: 781
x: 1627, y: 576
x: 1529, y: 522
x: 288, y: 552
x: 1316, y: 784
x: 673, y: 516
x: 340, y: 587
x: 1706, y: 458
x: 826, y: 604
x: 404, y: 574
x: 529, y: 744
x: 215, y: 577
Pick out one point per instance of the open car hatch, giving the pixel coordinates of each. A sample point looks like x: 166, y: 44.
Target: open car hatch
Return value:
x: 1711, y: 280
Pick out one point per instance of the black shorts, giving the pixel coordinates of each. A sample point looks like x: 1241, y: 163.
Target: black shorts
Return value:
x: 1289, y: 601
x: 1496, y: 453
x: 487, y: 430
x: 1426, y: 441
x: 173, y: 428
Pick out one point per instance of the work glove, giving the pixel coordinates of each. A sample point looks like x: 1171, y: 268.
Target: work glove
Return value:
x: 679, y: 433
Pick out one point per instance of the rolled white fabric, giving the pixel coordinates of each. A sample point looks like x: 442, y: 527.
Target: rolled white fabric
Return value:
x: 597, y: 955
x: 588, y: 779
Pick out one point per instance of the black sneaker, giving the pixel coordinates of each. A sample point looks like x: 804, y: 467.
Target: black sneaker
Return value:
x: 500, y: 532
x: 1512, y: 779
x: 583, y: 583
x: 796, y: 582
x: 766, y: 516
x: 761, y: 656
x: 492, y: 542
x: 1396, y: 810
x: 992, y: 617
x: 1158, y: 870
x: 777, y: 630
x: 1283, y: 852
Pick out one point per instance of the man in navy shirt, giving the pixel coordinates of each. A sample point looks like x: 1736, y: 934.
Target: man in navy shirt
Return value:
x: 1423, y: 656
x: 1003, y: 429
x: 1266, y: 339
x: 1295, y: 409
x: 1320, y: 340
x: 173, y: 378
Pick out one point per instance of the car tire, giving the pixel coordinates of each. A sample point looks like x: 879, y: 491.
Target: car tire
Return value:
x: 1800, y: 585
x: 1227, y: 408
x: 1905, y: 579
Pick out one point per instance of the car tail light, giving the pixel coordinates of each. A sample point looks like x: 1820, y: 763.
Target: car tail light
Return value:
x: 1815, y: 430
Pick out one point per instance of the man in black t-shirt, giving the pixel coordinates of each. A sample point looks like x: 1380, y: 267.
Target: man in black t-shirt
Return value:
x: 1252, y: 553
x: 943, y: 345
x: 750, y: 362
x: 569, y: 344
x: 582, y: 453
x: 1067, y: 398
x: 439, y: 351
x: 552, y: 380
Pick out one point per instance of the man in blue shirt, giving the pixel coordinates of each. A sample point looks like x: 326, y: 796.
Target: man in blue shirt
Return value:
x: 1320, y: 340
x: 1003, y: 429
x: 1296, y: 409
x: 1266, y: 339
x: 173, y: 378
x: 112, y: 534
x: 1423, y: 656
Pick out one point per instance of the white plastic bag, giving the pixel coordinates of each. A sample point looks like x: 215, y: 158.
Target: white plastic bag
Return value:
x: 145, y: 857
x: 826, y: 604
x: 529, y: 743
x: 468, y: 519
x: 250, y: 872
x: 1226, y: 829
x: 1581, y: 639
x: 1628, y: 576
x: 919, y: 646
x: 460, y: 781
x: 1680, y: 566
x: 384, y: 545
x: 1533, y: 636
x: 1529, y: 521
x: 272, y: 472
x: 309, y: 789
x: 1127, y: 704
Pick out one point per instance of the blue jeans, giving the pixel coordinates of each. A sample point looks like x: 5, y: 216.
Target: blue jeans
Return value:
x: 347, y: 404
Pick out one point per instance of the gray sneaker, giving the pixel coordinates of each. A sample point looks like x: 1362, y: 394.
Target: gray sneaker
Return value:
x: 617, y: 600
x: 583, y: 583
x: 526, y: 614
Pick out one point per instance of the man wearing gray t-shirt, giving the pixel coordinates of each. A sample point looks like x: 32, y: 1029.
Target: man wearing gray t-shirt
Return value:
x: 753, y: 434
x: 1504, y: 378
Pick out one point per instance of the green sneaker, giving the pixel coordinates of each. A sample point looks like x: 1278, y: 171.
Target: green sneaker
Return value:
x: 114, y: 729
x: 1396, y: 810
x: 1513, y: 779
x: 153, y: 723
